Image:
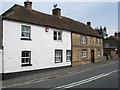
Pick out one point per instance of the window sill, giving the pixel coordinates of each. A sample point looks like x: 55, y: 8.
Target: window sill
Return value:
x: 58, y: 62
x: 68, y: 61
x: 58, y: 40
x: 84, y: 57
x: 26, y: 39
x: 23, y: 65
x: 84, y: 43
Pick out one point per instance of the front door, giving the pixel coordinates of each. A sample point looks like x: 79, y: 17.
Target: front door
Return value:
x: 92, y: 56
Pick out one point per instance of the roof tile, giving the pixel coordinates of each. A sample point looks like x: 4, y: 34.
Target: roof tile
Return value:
x: 20, y: 13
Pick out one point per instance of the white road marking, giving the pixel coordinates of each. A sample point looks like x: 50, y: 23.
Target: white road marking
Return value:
x: 84, y: 81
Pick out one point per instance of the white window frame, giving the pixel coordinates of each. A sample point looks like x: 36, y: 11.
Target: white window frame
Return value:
x: 84, y: 53
x: 68, y: 55
x: 58, y: 35
x: 25, y: 62
x: 84, y: 39
x: 98, y: 52
x: 98, y: 41
x: 25, y: 32
x: 91, y: 40
x: 58, y: 56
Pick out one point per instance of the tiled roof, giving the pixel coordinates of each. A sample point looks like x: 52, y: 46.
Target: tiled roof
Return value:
x: 22, y: 14
x: 114, y: 37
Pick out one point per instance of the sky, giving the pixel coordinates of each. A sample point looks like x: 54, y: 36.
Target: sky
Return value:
x: 99, y: 12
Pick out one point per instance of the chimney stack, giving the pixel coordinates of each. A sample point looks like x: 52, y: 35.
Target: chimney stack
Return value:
x: 118, y: 34
x: 57, y: 11
x: 115, y: 34
x: 28, y: 4
x: 89, y: 24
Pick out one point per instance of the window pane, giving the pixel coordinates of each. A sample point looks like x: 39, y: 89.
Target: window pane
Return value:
x: 55, y: 33
x: 59, y: 34
x: 23, y: 60
x: 68, y: 57
x: 99, y: 52
x: 84, y: 53
x: 25, y: 31
x: 59, y: 38
x: 83, y: 39
x: 27, y: 34
x: 23, y: 34
x: 58, y: 56
x: 23, y: 54
x: 25, y: 57
x: 57, y: 59
x: 27, y: 60
x: 55, y: 37
x: 27, y: 54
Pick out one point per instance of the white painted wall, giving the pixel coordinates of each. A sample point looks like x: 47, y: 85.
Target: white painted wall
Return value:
x: 42, y: 47
x: 0, y: 61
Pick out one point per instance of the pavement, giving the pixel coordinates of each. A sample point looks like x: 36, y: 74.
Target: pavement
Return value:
x: 54, y: 73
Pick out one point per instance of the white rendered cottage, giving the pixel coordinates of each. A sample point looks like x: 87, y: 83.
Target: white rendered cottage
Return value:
x: 31, y: 41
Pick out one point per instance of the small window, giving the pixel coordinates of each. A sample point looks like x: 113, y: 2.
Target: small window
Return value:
x: 68, y: 55
x: 107, y: 45
x: 26, y: 58
x: 99, y: 52
x: 98, y: 41
x: 84, y: 53
x: 58, y: 56
x: 25, y: 32
x: 91, y: 40
x: 57, y: 35
x: 83, y: 39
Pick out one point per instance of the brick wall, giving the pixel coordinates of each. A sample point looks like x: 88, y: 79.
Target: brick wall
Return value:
x: 77, y: 48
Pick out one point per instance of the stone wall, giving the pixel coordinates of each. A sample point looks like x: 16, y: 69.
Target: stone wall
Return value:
x: 77, y: 48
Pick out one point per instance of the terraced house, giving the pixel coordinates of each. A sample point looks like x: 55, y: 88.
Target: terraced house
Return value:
x: 31, y: 41
x: 87, y: 46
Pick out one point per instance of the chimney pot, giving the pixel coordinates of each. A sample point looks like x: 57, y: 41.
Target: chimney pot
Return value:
x: 28, y: 4
x: 89, y: 24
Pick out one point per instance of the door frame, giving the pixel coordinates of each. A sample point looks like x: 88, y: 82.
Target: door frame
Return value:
x: 92, y: 56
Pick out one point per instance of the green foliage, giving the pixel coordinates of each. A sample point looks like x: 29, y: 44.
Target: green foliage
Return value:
x: 102, y: 31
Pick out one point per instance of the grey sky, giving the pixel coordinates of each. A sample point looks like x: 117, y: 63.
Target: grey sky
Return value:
x: 99, y: 13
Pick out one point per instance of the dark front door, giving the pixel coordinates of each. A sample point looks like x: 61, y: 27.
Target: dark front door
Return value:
x: 92, y: 56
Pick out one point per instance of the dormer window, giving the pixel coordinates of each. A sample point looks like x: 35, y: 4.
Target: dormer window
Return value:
x: 57, y: 35
x: 25, y: 32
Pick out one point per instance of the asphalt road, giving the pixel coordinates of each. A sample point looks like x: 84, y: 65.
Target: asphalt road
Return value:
x: 102, y: 77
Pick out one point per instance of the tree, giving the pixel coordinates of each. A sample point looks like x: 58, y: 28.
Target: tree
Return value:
x: 102, y: 31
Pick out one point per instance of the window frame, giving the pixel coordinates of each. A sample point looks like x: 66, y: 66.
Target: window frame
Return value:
x: 70, y: 56
x: 59, y: 50
x: 91, y: 40
x: 84, y: 53
x: 58, y: 35
x: 26, y: 31
x: 99, y: 52
x: 84, y: 39
x: 107, y: 45
x: 25, y: 57
x: 98, y: 41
